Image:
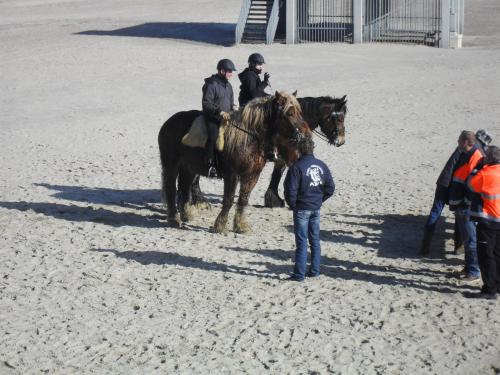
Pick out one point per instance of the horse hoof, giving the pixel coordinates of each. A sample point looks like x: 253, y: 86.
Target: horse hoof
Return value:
x: 203, y: 206
x: 272, y: 200
x: 218, y: 230
x: 187, y: 215
x: 242, y: 228
x: 175, y: 221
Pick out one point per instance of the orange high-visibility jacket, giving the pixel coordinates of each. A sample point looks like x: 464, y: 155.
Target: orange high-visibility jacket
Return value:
x: 485, y: 205
x: 465, y: 166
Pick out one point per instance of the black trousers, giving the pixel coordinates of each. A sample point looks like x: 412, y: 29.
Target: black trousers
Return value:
x: 488, y: 251
x: 213, y: 131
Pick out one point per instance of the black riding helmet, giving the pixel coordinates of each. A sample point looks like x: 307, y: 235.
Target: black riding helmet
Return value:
x: 226, y: 64
x: 256, y: 58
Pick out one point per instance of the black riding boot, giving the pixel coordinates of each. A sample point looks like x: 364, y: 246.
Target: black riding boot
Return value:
x: 425, y: 248
x: 212, y: 171
x: 212, y: 136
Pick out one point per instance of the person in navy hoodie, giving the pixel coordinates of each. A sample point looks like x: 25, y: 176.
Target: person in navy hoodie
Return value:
x: 308, y: 184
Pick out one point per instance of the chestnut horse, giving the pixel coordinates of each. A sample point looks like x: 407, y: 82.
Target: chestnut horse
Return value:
x: 324, y: 112
x: 264, y: 123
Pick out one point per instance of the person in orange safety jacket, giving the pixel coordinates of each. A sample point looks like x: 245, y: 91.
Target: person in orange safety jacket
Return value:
x: 484, y: 185
x: 472, y: 154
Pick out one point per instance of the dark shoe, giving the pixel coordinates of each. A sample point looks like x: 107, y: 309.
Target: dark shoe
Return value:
x: 481, y: 295
x: 212, y: 172
x: 295, y: 278
x: 470, y: 280
x: 425, y: 248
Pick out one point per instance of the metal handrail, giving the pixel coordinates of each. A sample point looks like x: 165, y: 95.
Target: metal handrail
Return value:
x: 240, y: 26
x: 272, y: 24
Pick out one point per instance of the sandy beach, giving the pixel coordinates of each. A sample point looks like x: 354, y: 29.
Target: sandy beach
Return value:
x: 93, y: 281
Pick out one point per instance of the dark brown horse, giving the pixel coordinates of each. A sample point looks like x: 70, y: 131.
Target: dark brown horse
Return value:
x: 262, y: 124
x: 326, y: 112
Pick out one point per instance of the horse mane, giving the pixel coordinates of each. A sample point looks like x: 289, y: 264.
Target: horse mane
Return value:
x: 252, y: 120
x: 310, y: 105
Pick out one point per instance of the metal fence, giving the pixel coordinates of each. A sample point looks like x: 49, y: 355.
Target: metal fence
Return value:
x: 324, y: 21
x: 387, y: 21
x: 402, y: 21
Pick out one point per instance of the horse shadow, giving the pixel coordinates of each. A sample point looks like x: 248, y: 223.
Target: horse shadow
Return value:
x: 150, y: 257
x: 221, y: 34
x: 131, y: 198
x: 87, y: 214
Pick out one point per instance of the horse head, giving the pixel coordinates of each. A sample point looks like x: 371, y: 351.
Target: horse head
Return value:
x: 289, y: 126
x: 332, y: 115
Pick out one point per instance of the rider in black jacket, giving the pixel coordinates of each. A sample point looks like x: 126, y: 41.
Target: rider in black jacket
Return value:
x: 217, y: 102
x: 251, y: 84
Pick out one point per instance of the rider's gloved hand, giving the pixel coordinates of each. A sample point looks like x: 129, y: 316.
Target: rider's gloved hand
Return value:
x: 266, y: 77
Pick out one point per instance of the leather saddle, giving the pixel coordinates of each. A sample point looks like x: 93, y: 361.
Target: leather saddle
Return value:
x: 197, y: 135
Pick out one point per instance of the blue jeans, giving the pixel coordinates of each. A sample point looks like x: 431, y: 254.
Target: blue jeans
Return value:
x: 306, y: 226
x: 440, y: 199
x: 467, y: 230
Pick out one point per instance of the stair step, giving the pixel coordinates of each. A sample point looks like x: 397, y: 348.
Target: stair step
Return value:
x: 254, y: 34
x: 255, y: 26
x: 253, y: 41
x: 253, y: 30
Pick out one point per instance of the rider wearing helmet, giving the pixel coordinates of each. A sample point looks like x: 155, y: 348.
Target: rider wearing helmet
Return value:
x: 217, y: 102
x: 251, y: 84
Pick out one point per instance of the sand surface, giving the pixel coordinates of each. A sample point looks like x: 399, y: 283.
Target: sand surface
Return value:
x: 92, y: 280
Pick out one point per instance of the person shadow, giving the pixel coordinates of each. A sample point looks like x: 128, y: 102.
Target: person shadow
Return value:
x: 221, y: 34
x: 353, y: 270
x: 390, y: 235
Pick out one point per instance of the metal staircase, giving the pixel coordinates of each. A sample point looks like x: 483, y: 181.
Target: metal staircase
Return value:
x: 258, y: 20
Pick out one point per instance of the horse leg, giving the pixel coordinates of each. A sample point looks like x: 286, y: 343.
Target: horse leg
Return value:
x: 230, y: 183
x: 272, y: 198
x: 186, y: 178
x: 169, y: 177
x: 196, y: 194
x: 246, y: 186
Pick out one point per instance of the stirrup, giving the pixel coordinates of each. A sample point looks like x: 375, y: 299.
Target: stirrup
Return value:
x: 271, y: 156
x: 212, y: 172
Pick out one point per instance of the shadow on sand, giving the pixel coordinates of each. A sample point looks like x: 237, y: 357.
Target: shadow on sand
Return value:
x: 331, y: 267
x: 221, y: 34
x: 137, y: 199
x: 390, y: 235
x: 87, y: 214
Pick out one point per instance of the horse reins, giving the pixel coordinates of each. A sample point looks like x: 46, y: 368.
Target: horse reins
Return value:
x: 232, y: 123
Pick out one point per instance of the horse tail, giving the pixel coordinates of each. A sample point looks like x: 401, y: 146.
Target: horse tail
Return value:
x: 162, y: 144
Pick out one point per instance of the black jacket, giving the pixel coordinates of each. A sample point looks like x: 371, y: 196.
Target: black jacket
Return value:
x: 446, y: 175
x: 251, y: 86
x: 217, y: 96
x: 308, y: 184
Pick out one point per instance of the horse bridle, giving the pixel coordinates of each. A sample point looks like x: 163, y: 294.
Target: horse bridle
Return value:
x: 335, y: 133
x: 297, y: 135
